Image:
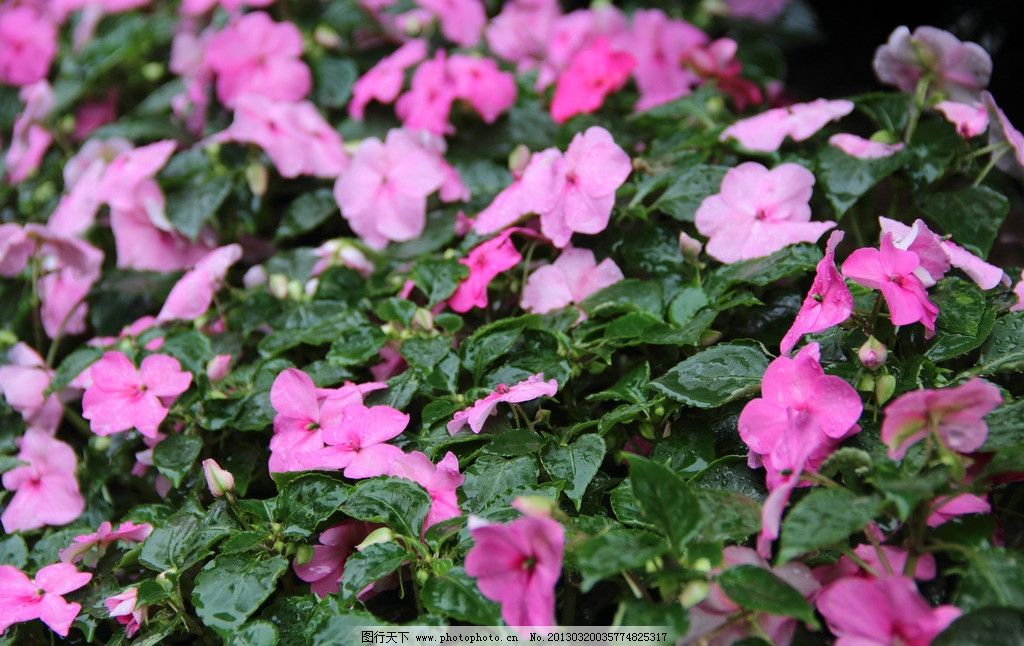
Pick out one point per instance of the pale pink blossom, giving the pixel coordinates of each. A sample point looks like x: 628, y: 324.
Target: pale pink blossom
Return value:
x: 255, y: 55
x: 383, y: 81
x: 519, y: 33
x: 531, y: 191
x: 192, y: 294
x: 937, y: 254
x: 24, y: 599
x: 959, y: 70
x: 90, y: 548
x: 946, y: 509
x: 428, y: 102
x: 392, y: 363
x: 862, y: 148
x: 45, y: 488
x: 1003, y: 132
x: 323, y: 571
x: 356, y: 440
x: 954, y: 416
x: 765, y: 132
x: 970, y: 119
x: 828, y: 302
x: 199, y: 7
x: 462, y: 21
x: 30, y: 139
x: 127, y: 181
x: 28, y: 43
x: 340, y: 252
x: 441, y: 481
x: 122, y: 397
x: 756, y: 10
x: 573, y: 276
x: 594, y: 72
x: 218, y: 367
x: 480, y: 83
x: 125, y: 609
x: 24, y: 379
x: 189, y: 63
x: 76, y: 212
x: 759, y: 211
x: 660, y: 46
x: 518, y: 564
x: 485, y: 262
x: 533, y: 387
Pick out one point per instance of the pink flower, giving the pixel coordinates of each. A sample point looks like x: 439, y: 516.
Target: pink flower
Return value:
x: 192, y: 294
x: 28, y: 43
x: 383, y: 81
x: 24, y: 599
x: 531, y: 192
x: 759, y: 211
x: 946, y: 509
x: 880, y: 612
x: 766, y: 131
x: 862, y: 148
x: 479, y: 82
x: 1003, y: 132
x: 82, y: 545
x: 462, y: 21
x: 717, y: 61
x: 1018, y: 290
x: 895, y: 561
x: 576, y: 31
x: 970, y: 119
x: 441, y: 482
x: 30, y: 139
x: 76, y: 212
x: 325, y: 569
x: 125, y: 609
x: 529, y: 389
x: 756, y: 10
x: 23, y: 383
x: 827, y: 303
x: 383, y: 192
x: 891, y: 270
x: 219, y: 480
x: 90, y: 116
x: 573, y: 276
x: 594, y: 72
x: 142, y: 245
x: 255, y: 55
x: 485, y: 262
x: 660, y: 45
x: 937, y: 254
x: 199, y: 7
x: 519, y: 33
x: 955, y: 416
x: 392, y: 363
x: 128, y: 180
x: 518, y: 564
x: 121, y: 397
x: 46, y: 491
x: 428, y: 103
x: 801, y: 416
x: 957, y: 69
x: 356, y: 440
x: 218, y: 367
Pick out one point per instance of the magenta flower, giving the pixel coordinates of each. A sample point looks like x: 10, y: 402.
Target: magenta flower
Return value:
x: 518, y: 564
x: 24, y: 599
x: 660, y: 45
x: 28, y: 43
x: 894, y: 563
x: 199, y: 7
x: 756, y: 10
x: 937, y: 254
x: 717, y: 61
x: 970, y: 119
x: 462, y: 21
x: 594, y: 72
x: 428, y: 103
x: 957, y: 69
x: 255, y: 55
x: 1003, y: 132
x: 121, y: 398
x: 192, y: 294
x: 759, y: 211
x: 91, y: 547
x: 828, y: 302
x: 946, y: 509
x: 891, y: 270
x: 880, y: 612
x: 529, y: 389
x: 480, y: 83
x: 45, y: 489
x: 766, y: 131
x: 125, y: 609
x: 383, y: 81
x: 383, y: 192
x: 862, y: 148
x: 955, y: 416
x: 356, y: 440
x: 485, y: 262
x: 573, y: 276
x: 30, y: 139
x: 519, y: 33
x: 23, y: 383
x: 441, y: 482
x: 327, y: 565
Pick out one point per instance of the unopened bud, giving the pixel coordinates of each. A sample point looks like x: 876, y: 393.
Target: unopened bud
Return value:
x: 422, y: 576
x: 518, y: 160
x: 690, y: 247
x: 884, y: 137
x: 866, y: 383
x: 326, y: 37
x: 256, y: 176
x: 303, y: 554
x: 152, y: 71
x: 220, y: 481
x: 885, y: 386
x: 536, y: 506
x: 423, y: 319
x: 279, y: 285
x: 873, y: 354
x: 217, y: 368
x: 710, y: 337
x: 256, y: 275
x: 379, y: 535
x: 694, y: 593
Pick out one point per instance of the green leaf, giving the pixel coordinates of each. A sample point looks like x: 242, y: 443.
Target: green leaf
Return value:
x: 490, y: 477
x: 784, y: 263
x: 1004, y: 349
x: 665, y: 500
x: 965, y: 319
x: 1005, y: 427
x: 933, y: 146
x: 13, y: 551
x: 454, y: 594
x: 756, y: 588
x: 845, y: 178
x: 993, y: 577
x: 307, y: 212
x: 438, y: 278
x: 576, y: 464
x: 190, y: 207
x: 727, y: 515
x: 399, y: 504
x: 972, y: 215
x: 73, y: 365
x: 626, y: 508
x: 985, y: 627
x: 175, y: 456
x: 644, y: 613
x: 370, y: 564
x: 822, y: 518
x: 191, y: 348
x: 307, y: 501
x: 686, y: 304
x: 626, y: 295
x: 231, y: 587
x: 715, y: 376
x: 688, y: 189
x: 186, y: 537
x: 334, y: 79
x: 609, y: 553
x: 254, y: 633
x: 355, y: 345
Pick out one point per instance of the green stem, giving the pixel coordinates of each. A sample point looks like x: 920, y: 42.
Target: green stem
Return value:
x: 920, y: 94
x: 989, y: 166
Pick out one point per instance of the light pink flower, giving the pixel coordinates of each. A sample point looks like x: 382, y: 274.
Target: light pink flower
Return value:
x: 392, y: 363
x: 957, y: 69
x: 142, y: 245
x: 759, y: 211
x: 1018, y: 290
x: 480, y: 83
x: 428, y: 102
x: 218, y: 367
x: 518, y: 564
x: 327, y: 565
x: 573, y: 276
x: 756, y: 10
x: 30, y: 139
x: 800, y: 418
x: 356, y: 440
x: 76, y: 212
x: 970, y: 119
x: 462, y: 21
x: 127, y: 181
x: 766, y: 131
x: 121, y: 398
x: 955, y: 416
x: 192, y: 294
x: 340, y: 252
x: 1003, y: 132
x: 594, y: 72
x: 519, y: 33
x: 881, y: 612
x: 255, y: 55
x: 531, y: 192
x: 441, y: 482
x: 91, y: 547
x: 45, y: 489
x: 23, y: 383
x: 862, y: 148
x: 28, y: 43
x: 383, y: 192
x: 895, y: 561
x: 485, y: 262
x: 383, y: 81
x: 891, y: 270
x: 92, y: 115
x: 937, y: 254
x: 660, y: 45
x: 24, y: 599
x: 125, y: 609
x: 828, y: 302
x: 529, y: 389
x: 946, y: 509
x: 199, y: 7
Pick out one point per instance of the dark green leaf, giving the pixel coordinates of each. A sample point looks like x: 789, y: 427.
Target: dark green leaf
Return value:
x: 665, y: 500
x: 985, y: 627
x: 609, y: 553
x: 186, y: 537
x: 1004, y: 349
x: 307, y: 501
x: 190, y: 207
x: 490, y: 477
x: 307, y: 212
x: 576, y: 464
x: 715, y: 376
x: 972, y: 215
x: 727, y: 515
x: 822, y: 518
x: 254, y: 633
x: 373, y: 562
x: 189, y: 347
x: 845, y: 178
x: 334, y: 79
x: 399, y: 504
x: 438, y: 278
x: 1005, y: 427
x: 688, y: 189
x: 965, y: 319
x: 13, y: 551
x: 784, y: 263
x: 454, y: 594
x: 72, y: 366
x: 175, y: 456
x: 756, y: 588
x: 992, y: 577
x: 231, y: 587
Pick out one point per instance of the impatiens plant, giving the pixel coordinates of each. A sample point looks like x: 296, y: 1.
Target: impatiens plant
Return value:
x: 327, y: 318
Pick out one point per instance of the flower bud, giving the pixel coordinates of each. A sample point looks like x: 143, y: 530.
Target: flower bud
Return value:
x: 326, y: 37
x: 303, y: 554
x: 217, y: 368
x: 379, y: 535
x: 279, y: 286
x: 689, y: 247
x: 873, y: 354
x: 518, y: 159
x: 256, y: 177
x: 536, y: 506
x: 153, y: 71
x: 885, y: 386
x: 422, y: 576
x: 218, y: 480
x: 423, y: 319
x: 694, y: 593
x: 255, y: 276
